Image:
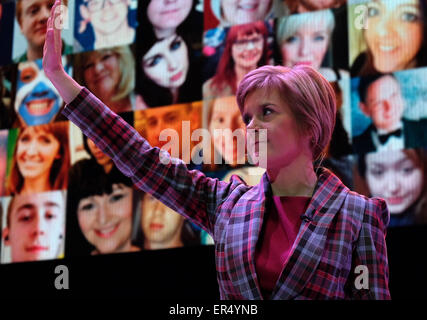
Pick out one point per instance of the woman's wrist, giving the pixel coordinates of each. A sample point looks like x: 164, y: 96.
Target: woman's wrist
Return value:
x: 67, y: 87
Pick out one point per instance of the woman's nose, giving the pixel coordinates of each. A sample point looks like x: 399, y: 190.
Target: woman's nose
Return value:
x: 384, y: 27
x: 392, y: 184
x: 172, y: 63
x: 304, y: 47
x: 102, y: 214
x: 99, y: 66
x: 32, y: 148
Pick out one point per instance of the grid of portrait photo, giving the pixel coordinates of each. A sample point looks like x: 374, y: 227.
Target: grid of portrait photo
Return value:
x: 171, y: 69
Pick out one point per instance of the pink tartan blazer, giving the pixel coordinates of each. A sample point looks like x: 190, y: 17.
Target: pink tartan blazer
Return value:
x: 342, y: 229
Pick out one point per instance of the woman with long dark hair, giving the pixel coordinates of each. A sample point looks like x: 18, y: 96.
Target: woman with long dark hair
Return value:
x: 395, y: 39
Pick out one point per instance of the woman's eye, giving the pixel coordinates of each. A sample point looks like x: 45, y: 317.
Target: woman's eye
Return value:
x: 266, y: 111
x: 372, y: 12
x: 408, y: 170
x: 410, y: 17
x: 88, y: 66
x: 319, y: 38
x: 246, y: 120
x: 292, y: 39
x: 377, y: 172
x: 153, y: 61
x: 116, y: 197
x: 175, y: 45
x: 106, y: 57
x: 45, y: 140
x: 24, y: 138
x: 87, y: 207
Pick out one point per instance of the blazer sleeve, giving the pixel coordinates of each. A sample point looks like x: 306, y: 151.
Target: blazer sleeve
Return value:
x: 189, y: 192
x: 370, y: 252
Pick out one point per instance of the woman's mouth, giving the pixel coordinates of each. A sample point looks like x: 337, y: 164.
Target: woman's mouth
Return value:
x: 395, y: 200
x: 176, y: 77
x: 107, y: 232
x: 156, y: 226
x: 40, y: 107
x: 170, y: 11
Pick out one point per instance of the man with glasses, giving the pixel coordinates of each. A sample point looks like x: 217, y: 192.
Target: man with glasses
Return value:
x: 109, y: 21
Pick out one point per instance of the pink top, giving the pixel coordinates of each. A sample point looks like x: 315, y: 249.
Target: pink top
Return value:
x: 277, y: 237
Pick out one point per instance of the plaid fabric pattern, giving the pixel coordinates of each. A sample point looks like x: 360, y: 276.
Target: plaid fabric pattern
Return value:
x: 342, y: 230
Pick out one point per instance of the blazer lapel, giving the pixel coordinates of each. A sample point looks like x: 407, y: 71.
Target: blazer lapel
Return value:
x: 244, y: 228
x: 308, y: 247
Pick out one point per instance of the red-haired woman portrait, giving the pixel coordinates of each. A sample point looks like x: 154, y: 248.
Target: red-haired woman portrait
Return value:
x: 41, y: 159
x: 246, y: 49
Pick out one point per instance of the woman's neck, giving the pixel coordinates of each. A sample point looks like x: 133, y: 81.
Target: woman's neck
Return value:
x: 296, y: 179
x: 241, y: 72
x: 174, y: 92
x: 164, y: 33
x: 124, y: 33
x: 36, y: 185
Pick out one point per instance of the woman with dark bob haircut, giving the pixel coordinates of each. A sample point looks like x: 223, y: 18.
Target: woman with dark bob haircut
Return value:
x: 100, y: 210
x: 264, y: 247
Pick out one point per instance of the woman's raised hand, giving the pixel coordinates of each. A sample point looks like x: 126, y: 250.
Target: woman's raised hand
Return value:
x: 52, y: 50
x: 67, y: 87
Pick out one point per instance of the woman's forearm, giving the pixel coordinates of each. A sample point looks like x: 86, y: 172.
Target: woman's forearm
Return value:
x: 67, y: 87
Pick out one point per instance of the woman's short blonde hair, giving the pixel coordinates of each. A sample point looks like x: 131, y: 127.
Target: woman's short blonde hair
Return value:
x: 305, y: 91
x: 288, y: 26
x: 126, y: 63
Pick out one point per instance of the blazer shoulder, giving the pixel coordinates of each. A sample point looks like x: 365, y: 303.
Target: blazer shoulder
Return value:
x: 375, y: 211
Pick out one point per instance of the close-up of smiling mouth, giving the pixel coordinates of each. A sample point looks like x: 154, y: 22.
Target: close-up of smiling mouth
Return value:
x: 387, y: 49
x: 40, y: 107
x: 107, y: 232
x: 250, y: 6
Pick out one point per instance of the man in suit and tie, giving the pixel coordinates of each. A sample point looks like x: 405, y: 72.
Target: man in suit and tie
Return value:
x: 381, y: 100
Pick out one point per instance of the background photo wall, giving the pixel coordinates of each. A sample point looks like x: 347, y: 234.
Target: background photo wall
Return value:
x: 158, y: 63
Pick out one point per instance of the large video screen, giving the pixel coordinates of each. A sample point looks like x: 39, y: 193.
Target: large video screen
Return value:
x: 176, y: 65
